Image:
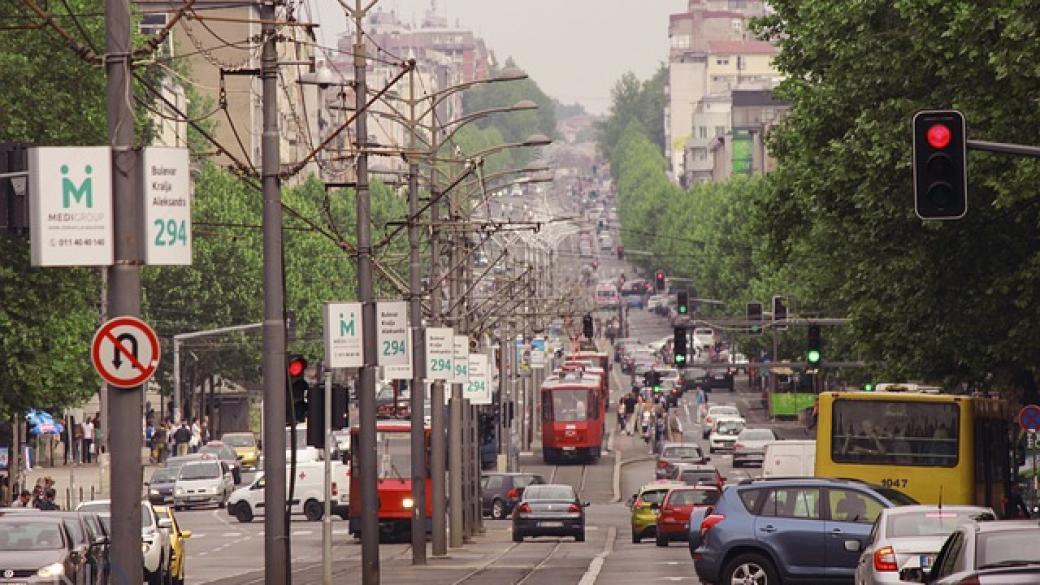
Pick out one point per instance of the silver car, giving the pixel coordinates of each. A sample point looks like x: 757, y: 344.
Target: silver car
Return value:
x: 908, y: 537
x: 203, y: 482
x: 750, y: 446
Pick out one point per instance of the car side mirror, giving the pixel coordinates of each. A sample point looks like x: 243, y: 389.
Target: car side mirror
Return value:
x: 165, y: 523
x: 185, y: 534
x: 852, y: 545
x: 913, y: 575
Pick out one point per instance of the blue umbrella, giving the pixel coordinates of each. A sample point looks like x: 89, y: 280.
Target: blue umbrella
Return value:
x: 42, y: 423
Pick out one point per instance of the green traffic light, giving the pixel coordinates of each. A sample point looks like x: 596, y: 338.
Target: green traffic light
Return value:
x: 657, y: 389
x: 683, y: 310
x: 868, y: 387
x: 679, y: 358
x: 813, y: 356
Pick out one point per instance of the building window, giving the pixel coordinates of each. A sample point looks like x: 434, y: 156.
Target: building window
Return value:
x: 703, y: 131
x: 737, y: 24
x: 723, y: 60
x: 720, y: 130
x: 681, y: 41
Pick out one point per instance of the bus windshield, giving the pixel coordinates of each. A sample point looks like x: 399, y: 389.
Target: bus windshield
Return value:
x: 570, y: 405
x: 394, y: 452
x: 895, y: 432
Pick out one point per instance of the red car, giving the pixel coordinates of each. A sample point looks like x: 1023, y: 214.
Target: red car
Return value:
x: 673, y: 518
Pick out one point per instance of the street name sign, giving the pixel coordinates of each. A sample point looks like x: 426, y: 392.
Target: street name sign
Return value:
x: 461, y: 364
x: 392, y: 335
x: 125, y: 352
x: 70, y: 203
x: 166, y: 189
x: 440, y: 353
x: 343, y: 335
x: 478, y: 390
x: 399, y: 371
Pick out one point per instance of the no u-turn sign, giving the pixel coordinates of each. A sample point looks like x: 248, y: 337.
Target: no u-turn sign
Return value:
x: 125, y: 352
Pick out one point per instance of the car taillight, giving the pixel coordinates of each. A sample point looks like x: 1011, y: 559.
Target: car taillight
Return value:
x: 738, y: 445
x: 513, y: 494
x: 639, y: 503
x: 885, y: 559
x: 524, y: 508
x: 710, y: 521
x: 335, y: 489
x: 662, y: 464
x: 574, y: 508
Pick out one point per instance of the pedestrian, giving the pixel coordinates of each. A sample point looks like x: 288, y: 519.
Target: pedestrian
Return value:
x: 47, y: 502
x: 77, y: 442
x: 196, y: 435
x: 88, y: 440
x: 621, y: 415
x: 1014, y: 506
x: 205, y: 430
x: 631, y: 401
x: 182, y: 438
x: 159, y: 443
x: 24, y: 500
x: 700, y: 398
x: 675, y: 430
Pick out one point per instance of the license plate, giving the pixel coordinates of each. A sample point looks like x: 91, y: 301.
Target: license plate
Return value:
x: 551, y: 524
x: 926, y: 561
x: 569, y: 448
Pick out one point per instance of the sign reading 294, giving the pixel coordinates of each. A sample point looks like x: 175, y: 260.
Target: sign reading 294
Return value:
x: 170, y: 232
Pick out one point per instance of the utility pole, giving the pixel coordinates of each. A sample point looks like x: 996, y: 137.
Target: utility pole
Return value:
x: 437, y: 446
x: 366, y: 295
x: 276, y: 538
x: 456, y: 464
x: 124, y: 296
x: 418, y: 345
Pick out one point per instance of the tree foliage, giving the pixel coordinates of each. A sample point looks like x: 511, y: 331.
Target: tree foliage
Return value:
x: 632, y: 101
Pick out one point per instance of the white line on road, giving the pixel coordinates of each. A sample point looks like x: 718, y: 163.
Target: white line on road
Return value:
x: 592, y: 573
x: 302, y: 532
x: 231, y: 534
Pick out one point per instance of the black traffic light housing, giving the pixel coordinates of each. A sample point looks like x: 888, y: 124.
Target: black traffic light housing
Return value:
x: 296, y: 385
x: 753, y: 314
x: 586, y: 327
x: 316, y: 412
x: 680, y: 351
x: 652, y: 379
x: 779, y: 312
x: 659, y: 280
x: 814, y: 349
x: 940, y: 164
x: 682, y: 305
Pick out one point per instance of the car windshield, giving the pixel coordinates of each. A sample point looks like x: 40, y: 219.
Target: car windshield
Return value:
x: 205, y: 470
x: 1009, y: 547
x: 164, y: 475
x: 684, y: 452
x: 394, y: 451
x: 756, y: 435
x: 931, y: 522
x: 238, y: 440
x: 25, y: 535
x: 549, y: 492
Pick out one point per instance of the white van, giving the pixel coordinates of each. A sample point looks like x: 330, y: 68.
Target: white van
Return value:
x: 308, y: 493
x: 789, y: 459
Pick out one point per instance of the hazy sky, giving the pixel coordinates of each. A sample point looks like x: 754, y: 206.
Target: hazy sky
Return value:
x: 574, y: 49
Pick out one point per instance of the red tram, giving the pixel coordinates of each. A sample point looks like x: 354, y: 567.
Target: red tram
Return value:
x: 572, y: 417
x: 394, y: 479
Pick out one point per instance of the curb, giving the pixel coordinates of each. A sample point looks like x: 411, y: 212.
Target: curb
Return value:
x: 618, y: 464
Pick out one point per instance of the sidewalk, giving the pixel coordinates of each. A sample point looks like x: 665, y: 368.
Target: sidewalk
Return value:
x: 77, y: 483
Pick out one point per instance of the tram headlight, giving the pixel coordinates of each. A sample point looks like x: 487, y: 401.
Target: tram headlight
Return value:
x: 407, y: 503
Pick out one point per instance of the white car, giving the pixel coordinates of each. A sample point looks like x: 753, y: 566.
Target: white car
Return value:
x: 308, y: 493
x: 724, y: 433
x: 751, y: 446
x: 656, y: 301
x: 203, y: 482
x: 703, y: 337
x: 155, y: 538
x: 718, y: 411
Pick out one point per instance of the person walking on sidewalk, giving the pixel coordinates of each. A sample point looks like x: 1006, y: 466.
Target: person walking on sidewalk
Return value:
x: 77, y: 443
x: 88, y: 440
x: 182, y: 438
x: 196, y: 435
x: 621, y: 415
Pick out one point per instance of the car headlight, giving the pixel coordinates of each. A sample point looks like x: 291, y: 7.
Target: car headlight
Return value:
x: 407, y: 503
x: 179, y: 491
x: 51, y: 571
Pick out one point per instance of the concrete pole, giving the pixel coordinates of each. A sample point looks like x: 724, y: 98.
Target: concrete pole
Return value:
x: 437, y: 441
x: 124, y: 293
x: 176, y: 414
x: 366, y: 295
x: 455, y: 461
x: 276, y: 539
x: 418, y: 446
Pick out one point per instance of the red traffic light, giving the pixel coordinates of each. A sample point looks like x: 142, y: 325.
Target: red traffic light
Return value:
x: 938, y: 136
x: 297, y: 366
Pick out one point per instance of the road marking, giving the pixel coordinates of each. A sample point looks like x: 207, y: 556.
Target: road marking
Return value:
x: 231, y: 534
x: 302, y: 532
x: 592, y: 573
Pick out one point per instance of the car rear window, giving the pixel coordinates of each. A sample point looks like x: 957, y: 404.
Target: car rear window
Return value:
x: 1007, y: 547
x: 756, y: 435
x: 549, y: 492
x: 931, y: 522
x: 693, y: 497
x: 654, y: 496
x: 752, y: 499
x: 693, y: 477
x: 684, y: 452
x: 896, y: 497
x: 522, y: 481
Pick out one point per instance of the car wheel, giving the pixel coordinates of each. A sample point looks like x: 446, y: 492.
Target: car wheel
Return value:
x: 711, y: 449
x: 313, y: 510
x: 243, y: 513
x: 636, y: 538
x: 156, y: 577
x: 223, y: 501
x: 580, y: 535
x: 518, y: 536
x: 498, y: 509
x: 343, y: 515
x: 661, y: 539
x: 751, y: 569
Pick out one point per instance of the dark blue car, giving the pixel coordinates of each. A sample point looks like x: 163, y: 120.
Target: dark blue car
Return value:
x: 793, y: 530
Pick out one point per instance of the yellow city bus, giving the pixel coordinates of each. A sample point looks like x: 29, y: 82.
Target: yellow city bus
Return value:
x: 933, y: 447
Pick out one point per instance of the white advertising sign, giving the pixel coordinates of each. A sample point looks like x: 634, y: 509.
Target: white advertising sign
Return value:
x: 461, y: 366
x: 343, y: 335
x: 440, y: 353
x: 478, y: 391
x: 538, y: 352
x: 392, y: 335
x: 70, y: 200
x: 400, y: 371
x: 166, y: 187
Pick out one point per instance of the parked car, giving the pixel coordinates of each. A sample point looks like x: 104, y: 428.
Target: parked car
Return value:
x: 910, y: 537
x: 672, y: 453
x: 723, y: 433
x: 703, y: 337
x: 246, y: 448
x: 673, y: 517
x: 986, y: 553
x: 795, y: 458
x: 177, y: 538
x: 155, y: 539
x: 750, y: 446
x: 549, y: 510
x: 789, y: 530
x: 203, y: 482
x: 695, y: 474
x: 500, y: 492
x: 81, y: 540
x: 247, y: 502
x: 223, y: 452
x: 160, y: 485
x: 100, y: 544
x: 38, y: 548
x: 643, y: 508
x: 715, y: 411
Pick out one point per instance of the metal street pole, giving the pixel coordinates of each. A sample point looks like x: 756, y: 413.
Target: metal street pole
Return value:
x: 455, y: 463
x: 418, y: 347
x: 326, y: 517
x: 124, y: 298
x: 366, y: 295
x: 437, y: 446
x: 276, y: 537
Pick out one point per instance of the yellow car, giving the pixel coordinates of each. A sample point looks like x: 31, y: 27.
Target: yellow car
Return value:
x: 245, y: 447
x: 644, y: 508
x: 177, y: 538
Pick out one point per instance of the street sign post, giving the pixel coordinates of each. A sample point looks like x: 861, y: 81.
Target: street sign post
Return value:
x: 166, y: 188
x: 440, y: 353
x: 399, y: 371
x: 125, y: 352
x: 461, y: 361
x: 343, y: 335
x: 392, y: 337
x: 478, y: 390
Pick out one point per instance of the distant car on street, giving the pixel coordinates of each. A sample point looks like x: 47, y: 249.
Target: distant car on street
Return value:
x: 718, y: 411
x: 674, y: 514
x: 500, y: 492
x: 674, y: 453
x: 750, y: 446
x: 549, y: 510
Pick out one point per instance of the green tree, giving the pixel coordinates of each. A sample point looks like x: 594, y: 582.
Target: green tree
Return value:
x: 634, y: 101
